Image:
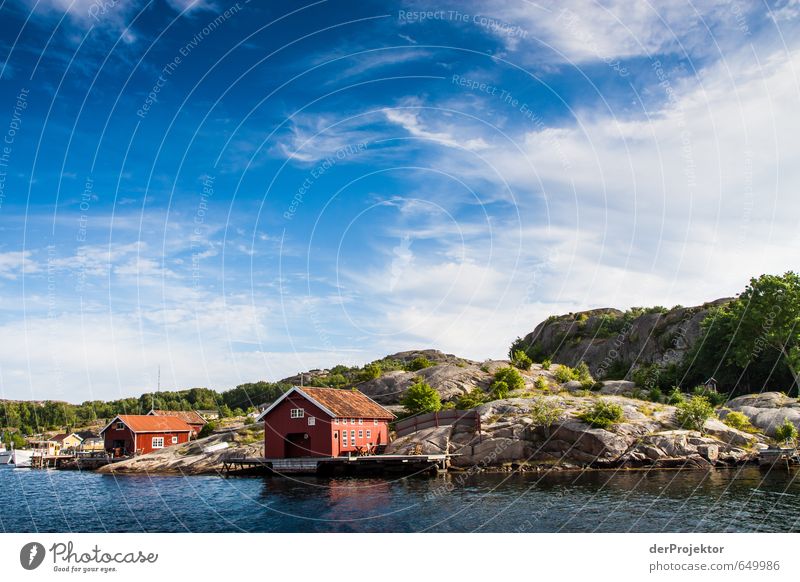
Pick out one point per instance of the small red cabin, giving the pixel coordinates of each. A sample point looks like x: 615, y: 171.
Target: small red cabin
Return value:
x: 190, y: 417
x: 324, y: 422
x: 130, y: 434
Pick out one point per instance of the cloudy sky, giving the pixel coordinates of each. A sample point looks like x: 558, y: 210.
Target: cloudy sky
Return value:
x: 236, y: 191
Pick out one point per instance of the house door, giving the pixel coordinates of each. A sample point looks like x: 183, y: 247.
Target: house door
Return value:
x: 298, y: 444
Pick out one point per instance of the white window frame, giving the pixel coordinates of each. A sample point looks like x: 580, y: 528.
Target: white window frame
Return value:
x: 297, y: 413
x: 157, y: 446
x: 361, y: 434
x: 353, y: 436
x: 344, y: 438
x: 360, y: 421
x: 120, y: 426
x: 352, y: 421
x: 335, y: 421
x: 375, y: 422
x: 369, y: 434
x: 312, y: 421
x: 174, y: 440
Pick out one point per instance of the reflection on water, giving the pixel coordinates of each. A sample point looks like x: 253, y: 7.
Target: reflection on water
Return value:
x: 736, y: 500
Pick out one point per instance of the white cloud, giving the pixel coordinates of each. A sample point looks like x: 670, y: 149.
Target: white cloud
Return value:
x: 15, y: 263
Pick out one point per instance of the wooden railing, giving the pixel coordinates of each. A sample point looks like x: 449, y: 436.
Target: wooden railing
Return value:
x: 467, y: 419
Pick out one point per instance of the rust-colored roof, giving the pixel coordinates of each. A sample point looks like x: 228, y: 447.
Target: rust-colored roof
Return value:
x: 143, y: 423
x: 347, y: 403
x: 187, y: 416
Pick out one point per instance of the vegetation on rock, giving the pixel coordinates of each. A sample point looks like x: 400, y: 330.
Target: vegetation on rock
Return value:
x: 694, y: 413
x: 786, y: 432
x: 420, y: 398
x: 602, y: 414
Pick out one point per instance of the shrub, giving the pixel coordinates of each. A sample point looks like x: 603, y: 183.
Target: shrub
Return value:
x: 786, y: 432
x: 675, y: 396
x: 418, y: 363
x: 714, y: 397
x: 521, y: 360
x: 448, y: 405
x: 545, y: 412
x: 207, y: 429
x: 506, y: 380
x: 249, y: 420
x: 471, y: 399
x: 546, y: 364
x: 541, y: 383
x: 602, y: 414
x: 563, y: 374
x: 655, y: 394
x: 739, y: 421
x: 694, y: 412
x: 420, y: 397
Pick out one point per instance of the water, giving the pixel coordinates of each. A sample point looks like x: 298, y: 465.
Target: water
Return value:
x: 688, y: 501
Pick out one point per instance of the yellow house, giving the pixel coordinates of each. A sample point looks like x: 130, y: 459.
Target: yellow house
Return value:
x: 67, y: 442
x: 46, y: 447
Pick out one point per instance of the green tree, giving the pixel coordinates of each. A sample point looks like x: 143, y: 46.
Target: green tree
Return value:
x: 419, y: 363
x: 471, y: 399
x: 420, y: 397
x: 694, y: 412
x: 511, y: 377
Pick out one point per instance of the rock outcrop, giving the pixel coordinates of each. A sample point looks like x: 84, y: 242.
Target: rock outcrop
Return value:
x: 511, y: 436
x: 607, y: 337
x: 767, y: 410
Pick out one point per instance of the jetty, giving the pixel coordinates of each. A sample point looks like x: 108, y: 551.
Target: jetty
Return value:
x: 778, y: 457
x: 79, y: 462
x: 345, y: 465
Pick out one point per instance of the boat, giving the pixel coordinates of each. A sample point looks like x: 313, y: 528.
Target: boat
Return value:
x: 21, y: 458
x: 5, y: 458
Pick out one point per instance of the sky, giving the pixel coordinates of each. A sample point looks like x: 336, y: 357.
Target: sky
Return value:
x: 236, y: 191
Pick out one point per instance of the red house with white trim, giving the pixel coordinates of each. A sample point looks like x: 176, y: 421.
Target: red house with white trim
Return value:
x: 130, y: 434
x: 323, y: 422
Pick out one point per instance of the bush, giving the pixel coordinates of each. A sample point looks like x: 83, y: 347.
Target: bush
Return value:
x: 207, y: 429
x: 739, y: 421
x: 786, y: 432
x: 714, y: 397
x: 655, y: 394
x: 418, y: 363
x: 370, y: 372
x: 544, y: 412
x: 471, y: 399
x: 541, y: 383
x: 249, y: 420
x: 546, y: 364
x: 675, y: 396
x: 694, y: 412
x: 506, y: 380
x: 602, y: 414
x: 420, y: 397
x: 563, y: 374
x: 521, y: 360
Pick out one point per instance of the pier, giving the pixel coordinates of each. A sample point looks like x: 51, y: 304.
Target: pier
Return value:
x: 778, y: 457
x: 352, y: 465
x: 79, y: 462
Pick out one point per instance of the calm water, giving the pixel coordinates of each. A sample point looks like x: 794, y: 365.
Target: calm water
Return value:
x: 742, y: 500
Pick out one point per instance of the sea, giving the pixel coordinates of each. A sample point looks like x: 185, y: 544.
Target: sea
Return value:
x: 745, y: 499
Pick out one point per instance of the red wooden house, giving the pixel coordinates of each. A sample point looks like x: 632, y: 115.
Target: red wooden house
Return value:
x: 190, y: 417
x: 323, y: 422
x: 130, y: 434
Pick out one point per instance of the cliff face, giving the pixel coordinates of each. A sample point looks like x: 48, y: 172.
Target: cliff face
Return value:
x: 611, y: 341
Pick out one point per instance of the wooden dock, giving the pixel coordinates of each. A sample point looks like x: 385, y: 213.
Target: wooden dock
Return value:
x: 778, y: 457
x: 75, y: 462
x: 360, y: 465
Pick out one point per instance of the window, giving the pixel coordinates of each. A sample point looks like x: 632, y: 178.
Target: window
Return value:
x: 336, y: 435
x: 352, y: 421
x: 297, y: 413
x: 344, y: 438
x: 369, y: 434
x: 360, y: 421
x: 335, y: 421
x: 361, y: 434
x: 120, y: 426
x: 312, y: 421
x: 353, y: 436
x: 158, y: 442
x: 375, y: 421
x: 174, y: 440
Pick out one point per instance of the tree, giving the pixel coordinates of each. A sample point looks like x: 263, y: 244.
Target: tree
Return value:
x: 694, y: 412
x: 419, y: 363
x: 510, y: 377
x: 768, y: 318
x: 420, y: 397
x: 13, y: 440
x: 471, y: 399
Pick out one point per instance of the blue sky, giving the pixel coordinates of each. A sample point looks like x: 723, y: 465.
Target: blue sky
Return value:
x: 238, y: 191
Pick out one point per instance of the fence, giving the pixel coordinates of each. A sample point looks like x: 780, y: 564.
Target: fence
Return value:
x: 466, y: 419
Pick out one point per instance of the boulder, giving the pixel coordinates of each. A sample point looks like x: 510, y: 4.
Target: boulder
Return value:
x: 767, y: 410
